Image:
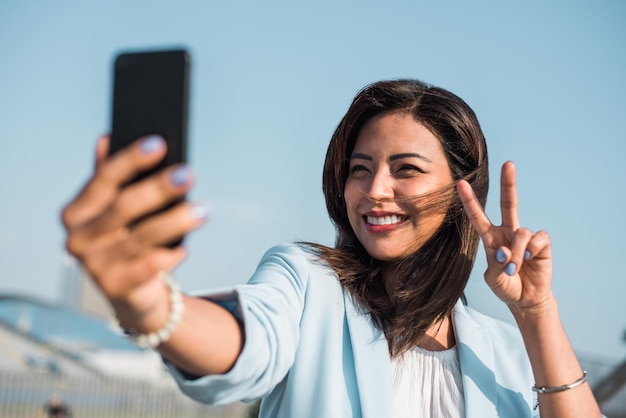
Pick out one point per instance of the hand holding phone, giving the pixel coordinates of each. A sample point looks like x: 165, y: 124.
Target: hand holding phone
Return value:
x: 151, y: 97
x: 113, y: 227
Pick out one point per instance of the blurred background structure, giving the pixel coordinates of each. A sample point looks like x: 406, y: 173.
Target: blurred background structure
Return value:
x: 270, y: 81
x: 72, y: 353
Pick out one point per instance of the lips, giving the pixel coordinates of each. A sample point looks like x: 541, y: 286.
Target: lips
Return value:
x: 382, y: 223
x: 384, y: 220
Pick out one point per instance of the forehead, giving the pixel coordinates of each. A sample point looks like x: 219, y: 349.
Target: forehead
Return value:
x: 397, y: 133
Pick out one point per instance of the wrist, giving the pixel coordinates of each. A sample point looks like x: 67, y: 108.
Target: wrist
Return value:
x: 145, y: 311
x: 546, y: 309
x: 153, y: 336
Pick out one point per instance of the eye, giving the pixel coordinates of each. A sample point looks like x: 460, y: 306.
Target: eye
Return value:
x: 410, y: 169
x: 359, y: 170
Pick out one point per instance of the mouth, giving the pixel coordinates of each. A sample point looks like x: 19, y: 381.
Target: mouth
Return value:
x: 385, y: 220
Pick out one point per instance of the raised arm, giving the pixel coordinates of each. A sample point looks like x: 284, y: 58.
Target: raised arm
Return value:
x: 519, y: 272
x: 111, y: 232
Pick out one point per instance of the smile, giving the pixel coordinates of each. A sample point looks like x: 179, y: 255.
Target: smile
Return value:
x: 385, y: 220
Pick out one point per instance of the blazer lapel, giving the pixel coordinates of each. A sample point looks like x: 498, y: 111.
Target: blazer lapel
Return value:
x: 476, y: 358
x: 371, y: 361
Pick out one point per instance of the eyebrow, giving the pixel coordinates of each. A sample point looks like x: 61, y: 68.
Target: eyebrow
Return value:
x: 393, y: 157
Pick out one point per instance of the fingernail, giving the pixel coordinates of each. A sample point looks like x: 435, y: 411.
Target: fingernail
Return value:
x: 152, y: 144
x: 180, y: 175
x: 510, y: 269
x: 500, y: 256
x: 526, y: 255
x: 199, y: 211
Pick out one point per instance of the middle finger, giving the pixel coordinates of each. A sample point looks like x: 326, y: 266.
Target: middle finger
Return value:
x: 144, y: 198
x: 508, y: 197
x: 165, y: 228
x: 518, y: 250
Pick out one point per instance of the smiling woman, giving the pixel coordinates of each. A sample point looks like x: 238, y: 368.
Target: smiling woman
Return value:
x: 399, y: 151
x: 375, y: 326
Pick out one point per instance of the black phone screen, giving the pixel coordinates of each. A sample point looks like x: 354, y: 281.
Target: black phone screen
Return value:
x: 150, y: 96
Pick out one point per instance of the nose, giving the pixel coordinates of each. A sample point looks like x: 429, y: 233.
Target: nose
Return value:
x: 380, y: 187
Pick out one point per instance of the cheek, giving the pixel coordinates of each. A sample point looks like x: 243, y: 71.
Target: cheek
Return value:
x: 349, y: 195
x: 431, y: 224
x: 351, y: 199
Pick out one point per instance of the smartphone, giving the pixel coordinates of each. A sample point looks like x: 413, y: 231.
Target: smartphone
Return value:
x: 151, y: 96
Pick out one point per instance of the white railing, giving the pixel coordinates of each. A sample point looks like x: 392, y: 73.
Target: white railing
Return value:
x: 24, y: 394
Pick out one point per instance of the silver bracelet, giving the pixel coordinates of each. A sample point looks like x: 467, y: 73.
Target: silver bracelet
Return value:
x: 553, y: 389
x: 158, y: 337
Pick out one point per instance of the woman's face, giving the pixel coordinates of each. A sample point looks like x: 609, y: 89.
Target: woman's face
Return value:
x: 394, y: 157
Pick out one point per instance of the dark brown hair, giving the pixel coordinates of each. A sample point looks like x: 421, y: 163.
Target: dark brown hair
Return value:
x: 432, y: 279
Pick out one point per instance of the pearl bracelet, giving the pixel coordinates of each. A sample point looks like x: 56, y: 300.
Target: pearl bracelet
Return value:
x: 553, y: 389
x: 158, y: 337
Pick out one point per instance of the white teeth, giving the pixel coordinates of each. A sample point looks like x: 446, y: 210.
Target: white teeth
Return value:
x: 384, y: 220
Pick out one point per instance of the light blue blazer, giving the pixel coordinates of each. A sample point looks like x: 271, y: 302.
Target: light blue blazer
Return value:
x: 311, y: 352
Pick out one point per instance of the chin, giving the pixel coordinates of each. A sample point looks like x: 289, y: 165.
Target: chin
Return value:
x: 393, y: 251
x: 388, y: 255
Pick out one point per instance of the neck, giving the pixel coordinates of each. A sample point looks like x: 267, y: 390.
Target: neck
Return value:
x: 390, y: 278
x: 440, y: 336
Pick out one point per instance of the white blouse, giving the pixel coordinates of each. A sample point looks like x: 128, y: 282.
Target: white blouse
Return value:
x: 427, y: 384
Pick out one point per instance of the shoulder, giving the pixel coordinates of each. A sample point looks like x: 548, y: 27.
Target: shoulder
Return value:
x: 296, y: 261
x: 290, y: 253
x: 500, y: 331
x: 293, y: 256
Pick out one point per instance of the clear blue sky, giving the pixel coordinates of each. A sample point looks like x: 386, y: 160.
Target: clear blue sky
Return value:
x: 270, y: 82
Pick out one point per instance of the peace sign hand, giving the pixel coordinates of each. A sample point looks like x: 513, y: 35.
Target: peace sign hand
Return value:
x: 519, y: 262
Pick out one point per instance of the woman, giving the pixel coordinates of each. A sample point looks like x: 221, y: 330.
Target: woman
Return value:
x: 375, y: 327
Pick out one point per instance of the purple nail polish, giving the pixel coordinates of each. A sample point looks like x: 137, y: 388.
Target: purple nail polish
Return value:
x: 199, y: 211
x: 510, y: 269
x: 152, y: 144
x: 500, y: 256
x: 180, y: 175
x: 527, y: 255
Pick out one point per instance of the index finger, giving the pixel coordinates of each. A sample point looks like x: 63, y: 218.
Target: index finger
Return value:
x: 508, y: 196
x: 111, y: 173
x: 102, y: 150
x: 473, y: 208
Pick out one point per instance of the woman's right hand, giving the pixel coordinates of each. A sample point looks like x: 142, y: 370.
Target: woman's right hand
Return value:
x: 107, y: 230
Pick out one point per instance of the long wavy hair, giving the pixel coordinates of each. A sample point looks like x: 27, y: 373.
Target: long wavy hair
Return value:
x: 432, y: 279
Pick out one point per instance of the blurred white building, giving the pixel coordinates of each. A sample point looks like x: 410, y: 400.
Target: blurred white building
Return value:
x: 73, y: 350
